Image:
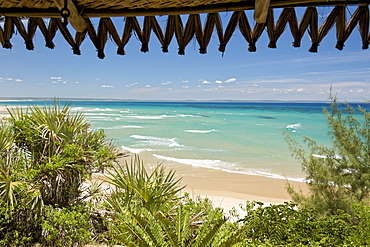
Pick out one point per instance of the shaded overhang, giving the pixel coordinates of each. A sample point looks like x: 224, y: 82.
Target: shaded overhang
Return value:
x: 73, y: 20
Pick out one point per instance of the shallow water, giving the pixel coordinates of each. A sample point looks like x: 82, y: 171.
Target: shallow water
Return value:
x: 236, y: 137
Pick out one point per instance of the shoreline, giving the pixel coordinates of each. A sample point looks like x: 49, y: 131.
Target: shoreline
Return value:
x: 226, y: 189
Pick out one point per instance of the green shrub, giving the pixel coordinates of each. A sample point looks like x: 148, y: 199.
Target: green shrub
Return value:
x: 66, y: 227
x: 338, y: 176
x: 46, y: 153
x: 17, y: 226
x: 287, y: 225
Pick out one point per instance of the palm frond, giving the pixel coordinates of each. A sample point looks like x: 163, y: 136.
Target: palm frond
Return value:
x: 6, y: 137
x: 209, y: 229
x: 8, y: 188
x: 153, y: 191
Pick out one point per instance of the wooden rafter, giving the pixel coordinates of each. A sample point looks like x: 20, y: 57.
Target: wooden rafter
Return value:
x: 183, y: 33
x: 76, y: 20
x: 115, y: 11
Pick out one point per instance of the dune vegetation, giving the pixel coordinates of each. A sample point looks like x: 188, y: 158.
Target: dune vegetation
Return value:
x: 49, y: 154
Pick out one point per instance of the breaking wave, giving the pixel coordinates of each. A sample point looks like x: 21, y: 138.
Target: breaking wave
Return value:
x: 157, y: 141
x: 201, y: 131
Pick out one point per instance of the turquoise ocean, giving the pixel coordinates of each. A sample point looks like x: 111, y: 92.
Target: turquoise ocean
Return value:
x: 234, y: 137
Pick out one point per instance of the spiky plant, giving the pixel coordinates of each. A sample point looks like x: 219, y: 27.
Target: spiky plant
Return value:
x: 181, y: 227
x: 135, y: 187
x: 8, y: 186
x: 63, y: 148
x: 147, y: 211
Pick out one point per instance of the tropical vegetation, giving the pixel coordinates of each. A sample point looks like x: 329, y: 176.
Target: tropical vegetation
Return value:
x: 338, y: 176
x: 48, y: 155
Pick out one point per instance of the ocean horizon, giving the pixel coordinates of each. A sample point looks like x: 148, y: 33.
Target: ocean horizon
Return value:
x: 233, y: 136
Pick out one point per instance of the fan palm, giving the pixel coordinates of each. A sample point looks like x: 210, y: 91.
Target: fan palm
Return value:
x: 135, y: 187
x: 49, y: 128
x: 64, y: 150
x: 146, y: 211
x: 7, y: 185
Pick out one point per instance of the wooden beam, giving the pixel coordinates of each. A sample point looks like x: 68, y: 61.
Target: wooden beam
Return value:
x: 260, y: 10
x: 76, y: 20
x: 247, y: 5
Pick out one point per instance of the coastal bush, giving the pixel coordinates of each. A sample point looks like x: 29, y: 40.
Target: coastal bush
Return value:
x: 46, y: 153
x: 183, y: 226
x: 63, y: 150
x: 287, y: 225
x: 65, y: 227
x: 136, y: 188
x: 338, y: 176
x: 16, y: 225
x: 146, y: 210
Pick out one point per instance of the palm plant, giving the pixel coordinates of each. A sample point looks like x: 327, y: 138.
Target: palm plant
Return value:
x: 146, y: 211
x: 7, y: 185
x: 49, y: 127
x: 136, y: 188
x: 181, y: 227
x: 46, y: 153
x: 8, y: 188
x: 64, y: 150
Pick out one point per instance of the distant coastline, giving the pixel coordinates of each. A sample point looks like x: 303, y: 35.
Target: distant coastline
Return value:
x: 19, y: 99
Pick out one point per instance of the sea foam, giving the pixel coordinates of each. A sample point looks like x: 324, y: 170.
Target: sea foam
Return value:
x: 124, y: 127
x: 225, y: 166
x: 136, y: 150
x: 215, y: 164
x: 158, y: 141
x: 147, y: 117
x: 293, y: 127
x: 201, y: 131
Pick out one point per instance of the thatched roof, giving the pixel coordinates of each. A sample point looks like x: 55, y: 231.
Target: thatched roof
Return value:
x: 51, y: 16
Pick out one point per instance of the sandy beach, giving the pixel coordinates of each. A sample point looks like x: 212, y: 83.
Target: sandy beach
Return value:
x: 227, y: 189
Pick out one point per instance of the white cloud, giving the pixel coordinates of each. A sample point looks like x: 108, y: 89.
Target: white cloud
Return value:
x: 107, y: 86
x: 205, y: 82
x: 132, y: 84
x: 166, y: 83
x: 64, y: 82
x: 18, y: 80
x: 218, y: 82
x: 230, y: 80
x: 315, y: 73
x: 55, y: 82
x: 77, y: 82
x: 185, y: 81
x: 282, y: 80
x: 56, y: 78
x: 147, y: 86
x: 299, y: 89
x: 185, y: 86
x: 9, y: 79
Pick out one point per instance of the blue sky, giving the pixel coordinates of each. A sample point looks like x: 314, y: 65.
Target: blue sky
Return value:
x: 285, y: 73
